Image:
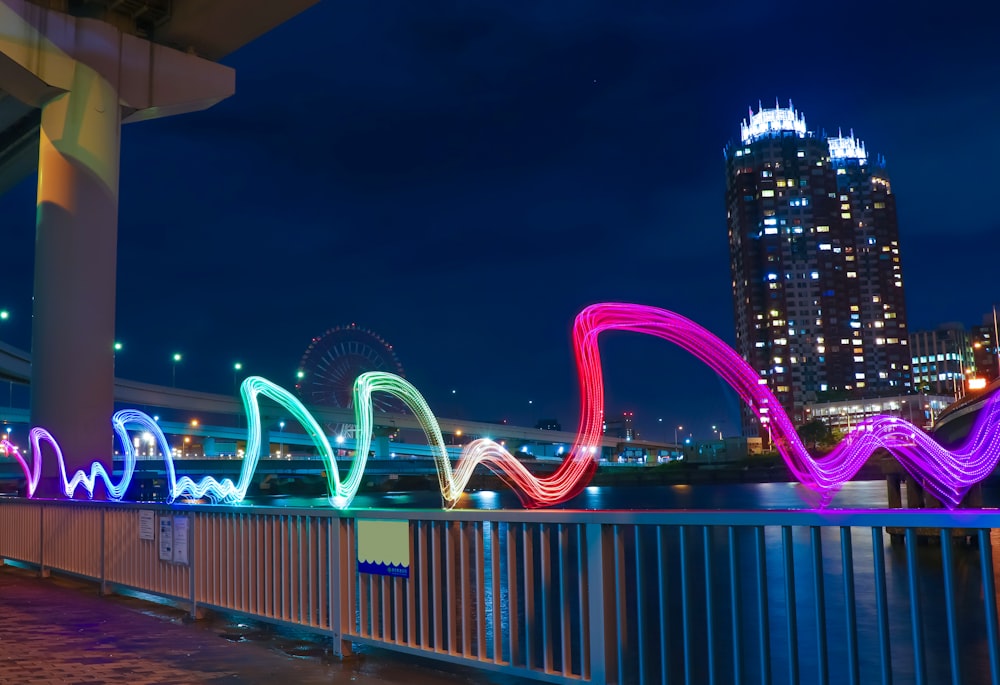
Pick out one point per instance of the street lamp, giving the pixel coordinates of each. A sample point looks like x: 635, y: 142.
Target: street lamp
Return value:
x: 715, y: 429
x: 173, y: 369
x: 237, y: 367
x: 281, y: 438
x: 679, y: 428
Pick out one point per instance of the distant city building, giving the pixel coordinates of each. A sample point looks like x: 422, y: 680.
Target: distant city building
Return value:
x: 920, y: 410
x: 548, y: 425
x: 816, y: 274
x: 620, y: 427
x: 941, y: 360
x: 953, y: 360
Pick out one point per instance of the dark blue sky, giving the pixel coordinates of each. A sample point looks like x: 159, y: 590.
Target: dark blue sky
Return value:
x: 463, y: 178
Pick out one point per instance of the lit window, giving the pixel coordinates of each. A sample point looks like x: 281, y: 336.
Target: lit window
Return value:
x: 767, y: 193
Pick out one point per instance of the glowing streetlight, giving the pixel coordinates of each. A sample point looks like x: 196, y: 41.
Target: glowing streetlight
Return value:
x: 281, y: 438
x: 679, y: 428
x: 173, y: 369
x: 118, y: 346
x: 4, y: 314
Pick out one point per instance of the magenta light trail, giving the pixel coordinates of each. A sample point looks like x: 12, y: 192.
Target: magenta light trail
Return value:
x: 947, y: 474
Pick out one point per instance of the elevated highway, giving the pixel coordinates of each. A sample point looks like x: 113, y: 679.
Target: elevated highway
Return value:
x: 15, y: 366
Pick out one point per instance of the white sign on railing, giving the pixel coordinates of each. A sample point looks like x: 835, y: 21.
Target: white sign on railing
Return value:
x: 181, y: 540
x: 166, y: 538
x: 147, y: 530
x: 174, y: 539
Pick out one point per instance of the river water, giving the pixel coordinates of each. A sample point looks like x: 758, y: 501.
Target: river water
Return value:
x: 665, y: 583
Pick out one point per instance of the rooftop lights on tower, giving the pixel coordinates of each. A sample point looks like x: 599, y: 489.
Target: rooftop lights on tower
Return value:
x: 847, y: 148
x: 770, y: 122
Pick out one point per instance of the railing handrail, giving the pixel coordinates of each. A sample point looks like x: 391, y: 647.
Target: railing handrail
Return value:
x: 916, y: 518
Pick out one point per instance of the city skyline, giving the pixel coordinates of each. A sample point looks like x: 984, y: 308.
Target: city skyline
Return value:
x: 464, y: 181
x: 818, y: 292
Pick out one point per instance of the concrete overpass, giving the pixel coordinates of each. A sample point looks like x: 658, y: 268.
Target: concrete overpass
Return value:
x: 71, y: 73
x: 15, y: 366
x: 210, y: 29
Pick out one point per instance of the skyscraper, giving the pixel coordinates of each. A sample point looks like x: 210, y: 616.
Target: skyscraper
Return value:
x: 814, y: 250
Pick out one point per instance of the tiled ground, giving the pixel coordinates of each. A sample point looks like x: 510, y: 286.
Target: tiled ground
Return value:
x: 56, y: 630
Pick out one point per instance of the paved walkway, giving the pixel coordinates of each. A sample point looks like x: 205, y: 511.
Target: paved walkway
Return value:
x: 58, y: 630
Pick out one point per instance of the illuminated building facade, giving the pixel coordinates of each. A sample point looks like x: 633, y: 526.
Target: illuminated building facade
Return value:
x: 952, y: 360
x: 941, y: 360
x: 816, y: 275
x: 920, y: 410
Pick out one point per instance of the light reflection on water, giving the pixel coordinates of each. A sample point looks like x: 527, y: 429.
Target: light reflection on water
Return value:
x: 854, y: 495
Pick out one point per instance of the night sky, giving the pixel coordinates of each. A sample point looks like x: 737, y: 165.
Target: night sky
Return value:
x: 463, y: 178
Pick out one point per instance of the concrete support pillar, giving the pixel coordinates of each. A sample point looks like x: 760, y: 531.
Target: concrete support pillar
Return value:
x: 87, y: 77
x: 381, y: 444
x: 892, y: 483
x: 73, y: 328
x: 914, y: 493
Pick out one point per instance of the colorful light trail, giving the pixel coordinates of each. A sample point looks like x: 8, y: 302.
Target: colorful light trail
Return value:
x: 947, y: 474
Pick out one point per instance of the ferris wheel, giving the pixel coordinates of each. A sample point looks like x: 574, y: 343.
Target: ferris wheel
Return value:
x: 335, y: 359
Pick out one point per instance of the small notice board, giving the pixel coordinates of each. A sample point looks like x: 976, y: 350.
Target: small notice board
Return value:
x: 174, y: 534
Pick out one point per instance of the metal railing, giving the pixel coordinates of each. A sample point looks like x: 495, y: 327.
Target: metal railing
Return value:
x: 563, y: 596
